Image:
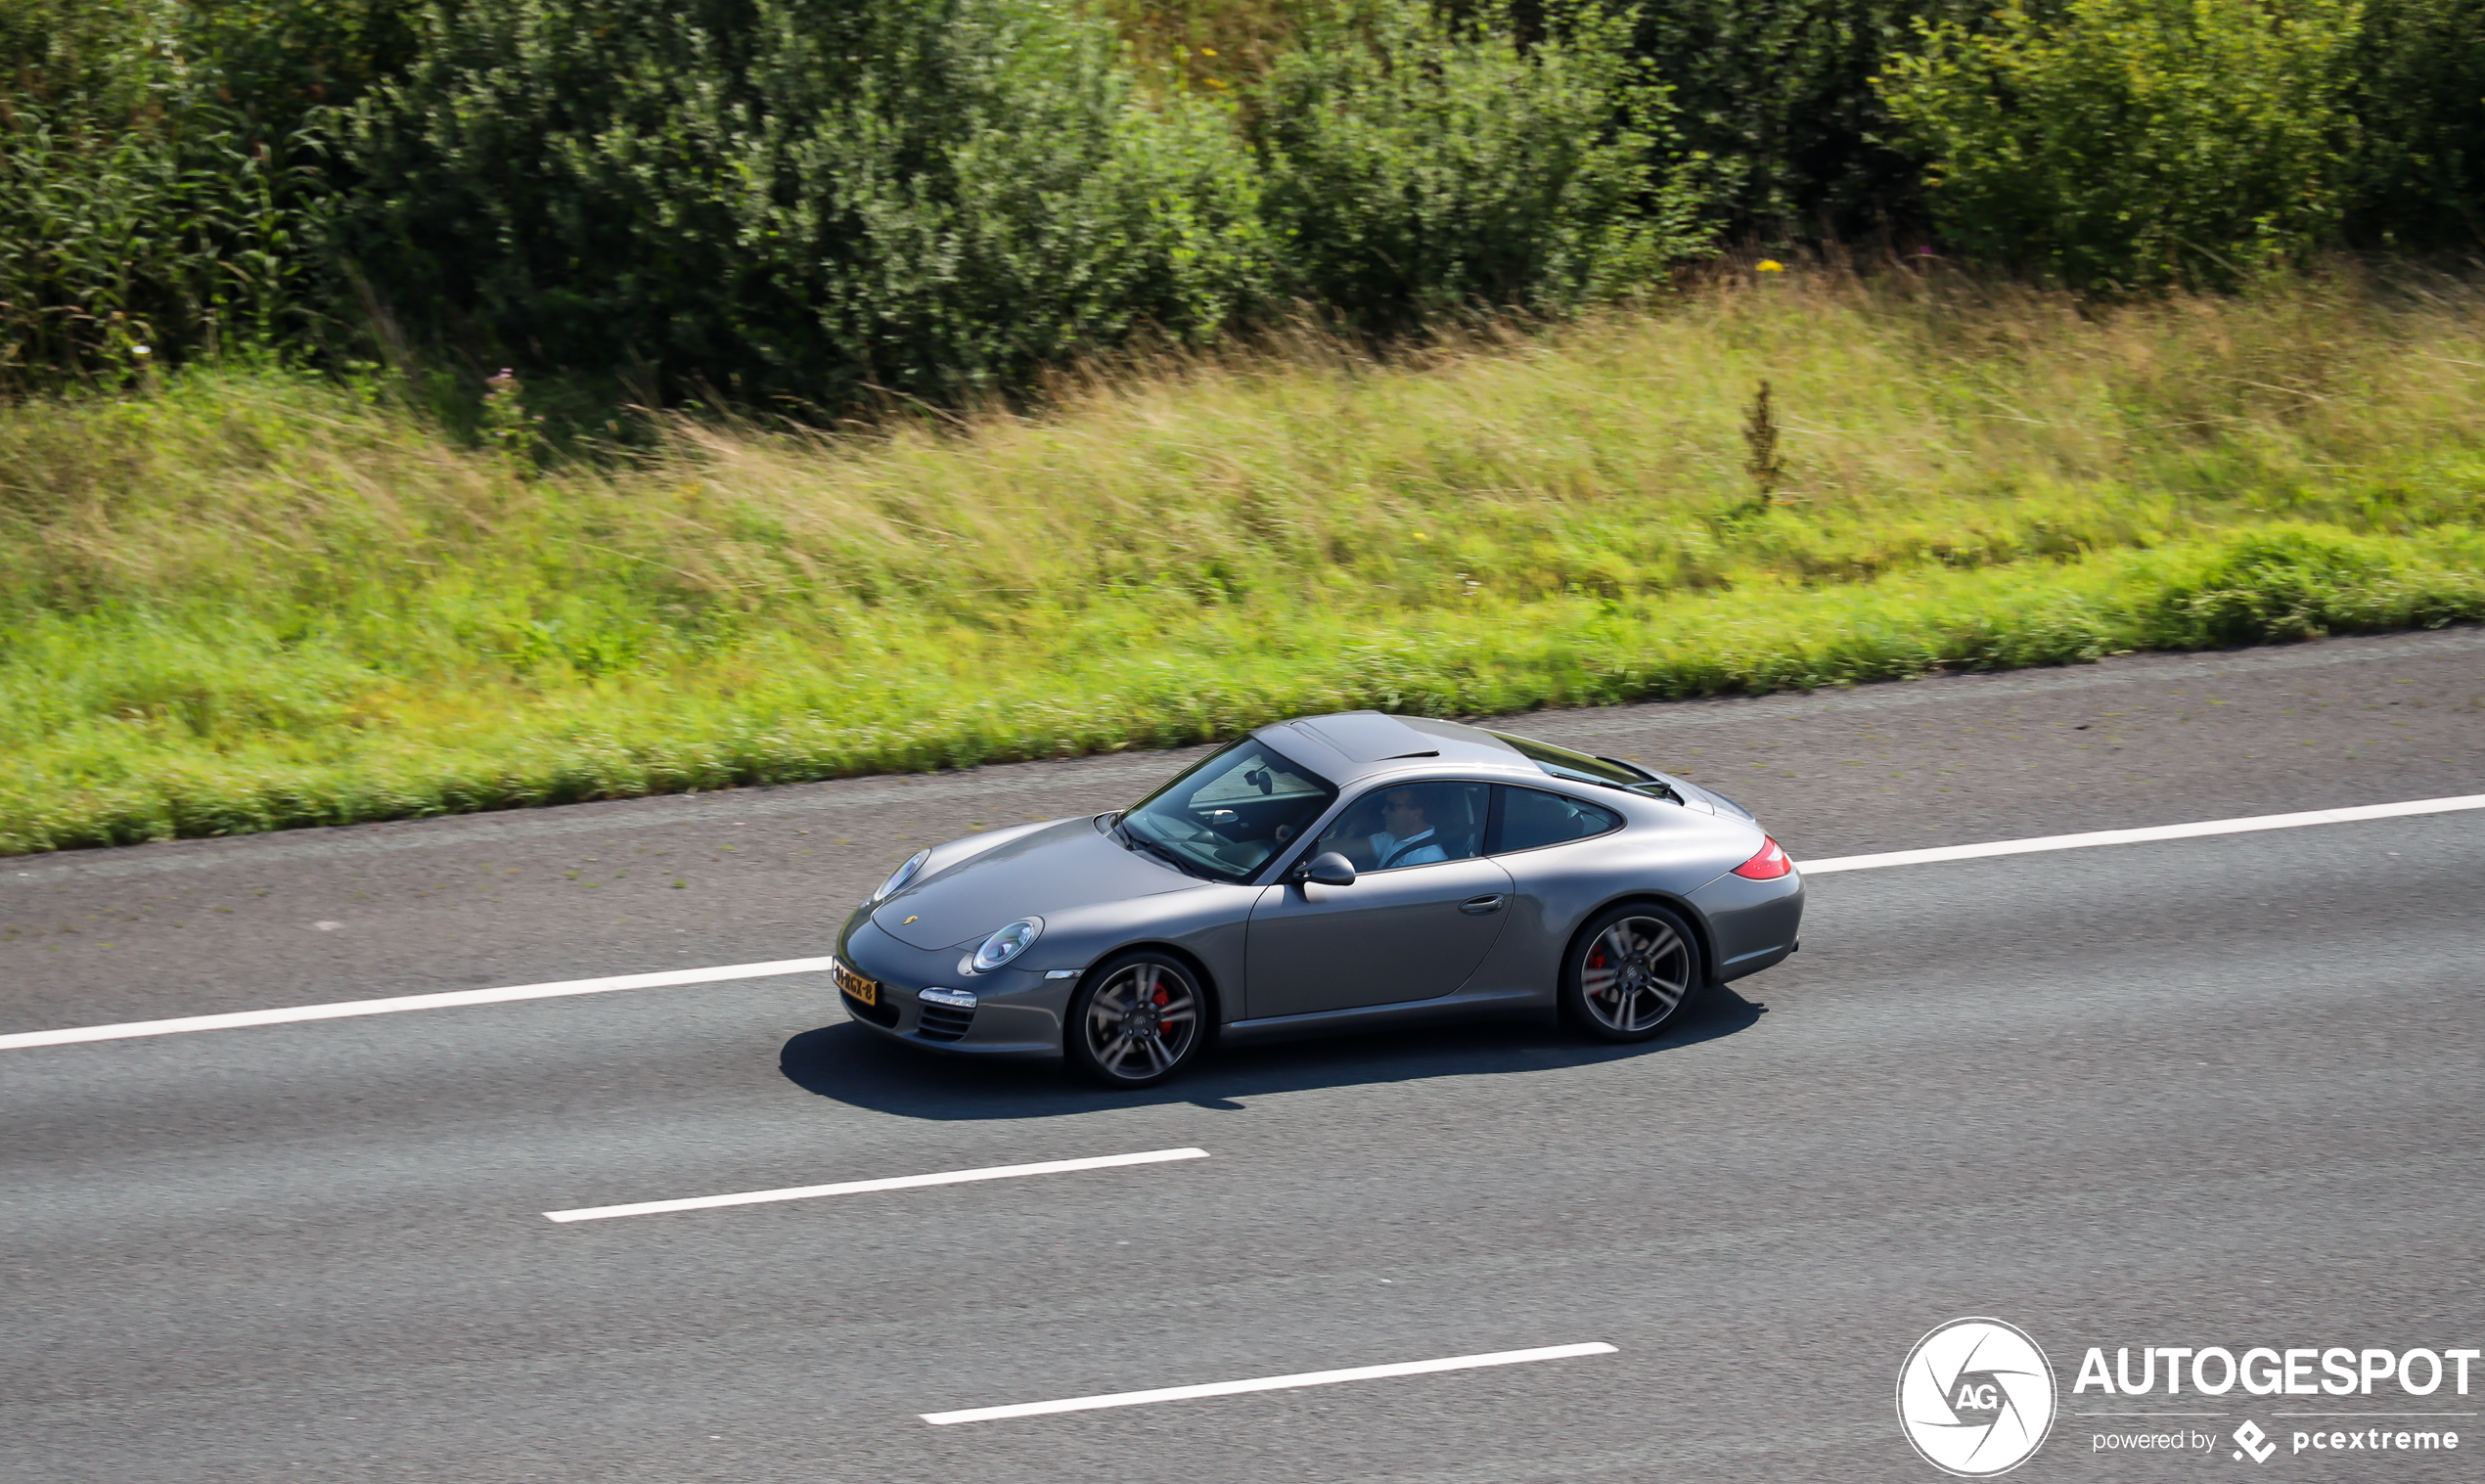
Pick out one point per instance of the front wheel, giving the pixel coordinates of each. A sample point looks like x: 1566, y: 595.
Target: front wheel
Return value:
x: 1629, y: 973
x: 1137, y: 1020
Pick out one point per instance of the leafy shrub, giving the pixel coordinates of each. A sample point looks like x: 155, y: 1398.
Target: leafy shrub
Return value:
x: 2134, y: 142
x: 1417, y: 165
x: 800, y: 202
x: 808, y: 202
x: 1775, y: 104
x: 801, y: 198
x: 165, y: 177
x: 117, y: 249
x: 2419, y: 104
x: 815, y: 200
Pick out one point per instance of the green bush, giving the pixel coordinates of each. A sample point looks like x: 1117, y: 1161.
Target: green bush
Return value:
x: 808, y: 205
x: 2419, y: 104
x: 804, y: 203
x: 793, y: 199
x: 144, y: 218
x: 1777, y: 101
x: 1775, y: 104
x: 149, y: 244
x: 814, y: 199
x: 1417, y: 166
x: 2134, y: 142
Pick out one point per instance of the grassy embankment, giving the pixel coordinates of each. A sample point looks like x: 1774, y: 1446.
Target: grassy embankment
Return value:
x: 247, y: 602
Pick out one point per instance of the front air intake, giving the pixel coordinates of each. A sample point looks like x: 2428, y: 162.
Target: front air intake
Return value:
x: 947, y: 1013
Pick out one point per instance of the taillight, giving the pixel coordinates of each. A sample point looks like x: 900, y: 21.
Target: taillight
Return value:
x: 1769, y: 865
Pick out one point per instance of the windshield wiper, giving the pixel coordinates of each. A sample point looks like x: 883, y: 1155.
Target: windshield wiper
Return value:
x: 1133, y: 839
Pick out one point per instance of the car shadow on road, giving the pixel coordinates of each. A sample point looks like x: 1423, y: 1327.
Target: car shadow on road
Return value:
x: 848, y: 1063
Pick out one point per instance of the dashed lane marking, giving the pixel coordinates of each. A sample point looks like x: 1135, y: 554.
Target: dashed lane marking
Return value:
x: 861, y: 1187
x: 1265, y: 1384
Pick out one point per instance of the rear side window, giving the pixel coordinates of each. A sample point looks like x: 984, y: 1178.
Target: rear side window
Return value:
x: 1532, y: 816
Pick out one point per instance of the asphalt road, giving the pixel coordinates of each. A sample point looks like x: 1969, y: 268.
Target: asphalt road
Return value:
x: 2212, y: 1092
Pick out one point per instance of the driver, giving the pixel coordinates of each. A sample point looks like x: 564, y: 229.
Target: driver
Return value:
x: 1405, y: 837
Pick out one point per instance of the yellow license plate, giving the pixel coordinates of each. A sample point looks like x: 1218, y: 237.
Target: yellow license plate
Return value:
x: 864, y: 991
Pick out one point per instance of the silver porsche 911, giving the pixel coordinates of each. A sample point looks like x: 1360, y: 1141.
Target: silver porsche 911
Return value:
x: 1338, y: 873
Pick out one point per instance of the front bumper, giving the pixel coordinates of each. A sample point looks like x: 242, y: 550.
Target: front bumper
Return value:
x: 923, y: 1000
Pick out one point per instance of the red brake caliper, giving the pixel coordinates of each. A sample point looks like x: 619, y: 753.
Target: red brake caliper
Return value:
x: 1164, y: 1027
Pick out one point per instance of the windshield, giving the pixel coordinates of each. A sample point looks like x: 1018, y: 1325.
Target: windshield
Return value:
x: 1226, y: 817
x: 1579, y: 767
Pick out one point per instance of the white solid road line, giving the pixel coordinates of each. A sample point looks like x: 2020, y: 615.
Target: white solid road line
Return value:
x: 1266, y: 1383
x: 859, y: 1187
x: 2142, y: 836
x: 343, y: 1009
x: 678, y: 976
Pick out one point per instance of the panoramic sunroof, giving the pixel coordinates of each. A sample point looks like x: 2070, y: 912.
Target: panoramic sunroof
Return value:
x: 1368, y: 737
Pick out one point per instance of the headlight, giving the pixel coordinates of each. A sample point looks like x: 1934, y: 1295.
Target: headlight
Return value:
x: 1006, y: 944
x: 898, y: 879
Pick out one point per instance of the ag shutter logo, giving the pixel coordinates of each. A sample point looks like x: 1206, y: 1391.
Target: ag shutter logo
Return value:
x: 1976, y: 1397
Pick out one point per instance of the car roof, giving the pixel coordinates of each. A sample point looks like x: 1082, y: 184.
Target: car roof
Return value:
x: 1348, y: 746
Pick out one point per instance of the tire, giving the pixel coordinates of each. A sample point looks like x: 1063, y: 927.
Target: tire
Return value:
x: 1110, y: 1040
x: 1630, y: 972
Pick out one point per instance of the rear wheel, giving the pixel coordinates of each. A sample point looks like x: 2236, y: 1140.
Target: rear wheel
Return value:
x: 1629, y: 973
x: 1138, y: 1019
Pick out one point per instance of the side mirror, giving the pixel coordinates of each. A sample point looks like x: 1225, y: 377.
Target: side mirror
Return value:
x: 1329, y: 869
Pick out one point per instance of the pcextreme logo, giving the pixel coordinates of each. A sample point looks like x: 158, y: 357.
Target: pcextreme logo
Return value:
x: 1976, y: 1397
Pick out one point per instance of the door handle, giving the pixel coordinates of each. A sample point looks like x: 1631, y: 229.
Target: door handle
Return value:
x: 1478, y: 906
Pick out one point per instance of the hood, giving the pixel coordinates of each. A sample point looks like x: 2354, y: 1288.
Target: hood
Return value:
x: 1057, y: 868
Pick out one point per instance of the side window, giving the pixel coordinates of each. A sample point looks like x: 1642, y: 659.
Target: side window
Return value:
x: 1532, y: 816
x: 1401, y: 825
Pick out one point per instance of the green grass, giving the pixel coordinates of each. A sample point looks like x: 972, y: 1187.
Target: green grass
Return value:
x: 245, y: 601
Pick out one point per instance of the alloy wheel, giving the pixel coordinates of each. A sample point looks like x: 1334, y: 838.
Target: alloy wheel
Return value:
x: 1635, y: 974
x: 1140, y: 1021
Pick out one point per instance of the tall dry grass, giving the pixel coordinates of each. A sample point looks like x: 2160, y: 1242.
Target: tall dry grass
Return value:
x: 240, y: 600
